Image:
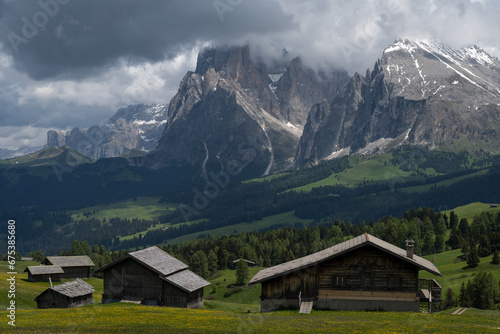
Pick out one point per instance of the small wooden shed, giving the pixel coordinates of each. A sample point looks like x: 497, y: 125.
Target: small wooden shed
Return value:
x: 43, y: 273
x: 73, y: 266
x: 364, y: 273
x: 71, y: 294
x: 250, y: 264
x: 153, y: 277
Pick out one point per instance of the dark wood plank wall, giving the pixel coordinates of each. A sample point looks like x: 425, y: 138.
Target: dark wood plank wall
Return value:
x: 76, y: 272
x: 129, y: 278
x: 173, y: 296
x: 291, y: 285
x: 368, y: 269
x: 364, y: 269
x: 44, y: 278
x: 52, y: 299
x: 195, y: 299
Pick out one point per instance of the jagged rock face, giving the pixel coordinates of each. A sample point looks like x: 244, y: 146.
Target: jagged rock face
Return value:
x: 231, y: 110
x: 134, y: 127
x: 419, y: 93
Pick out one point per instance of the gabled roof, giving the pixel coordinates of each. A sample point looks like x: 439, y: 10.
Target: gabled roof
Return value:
x: 342, y: 248
x: 44, y: 270
x: 153, y: 258
x: 187, y: 280
x: 76, y: 288
x: 70, y: 261
x: 166, y: 266
x: 247, y: 261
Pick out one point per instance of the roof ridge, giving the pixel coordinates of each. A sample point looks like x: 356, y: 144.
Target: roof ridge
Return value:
x: 335, y: 250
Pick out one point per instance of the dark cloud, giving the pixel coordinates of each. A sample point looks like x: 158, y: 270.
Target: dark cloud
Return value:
x: 51, y: 38
x: 77, y: 61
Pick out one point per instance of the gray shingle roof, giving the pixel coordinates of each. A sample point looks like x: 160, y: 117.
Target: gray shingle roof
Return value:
x: 76, y: 288
x: 344, y: 247
x: 70, y: 261
x: 187, y: 280
x: 44, y: 270
x: 168, y: 267
x: 158, y: 260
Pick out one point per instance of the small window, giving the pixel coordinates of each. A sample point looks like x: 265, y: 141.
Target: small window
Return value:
x: 394, y: 281
x: 339, y: 281
x: 367, y: 281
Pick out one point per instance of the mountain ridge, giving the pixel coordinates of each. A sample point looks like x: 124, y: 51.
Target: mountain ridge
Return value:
x: 419, y: 93
x: 230, y: 102
x: 136, y: 127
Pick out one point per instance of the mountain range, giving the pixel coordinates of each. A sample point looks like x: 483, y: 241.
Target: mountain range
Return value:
x: 136, y: 127
x: 419, y: 93
x: 234, y: 110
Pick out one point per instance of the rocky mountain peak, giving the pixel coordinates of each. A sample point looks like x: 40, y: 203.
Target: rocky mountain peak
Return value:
x: 231, y: 100
x: 420, y: 92
x: 136, y: 127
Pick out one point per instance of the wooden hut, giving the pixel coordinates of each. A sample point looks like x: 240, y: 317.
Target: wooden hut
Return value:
x: 71, y: 294
x: 250, y: 264
x: 364, y: 273
x: 73, y: 266
x: 43, y: 273
x: 153, y: 277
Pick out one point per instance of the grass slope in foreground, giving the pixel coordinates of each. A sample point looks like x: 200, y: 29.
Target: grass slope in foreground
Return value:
x: 234, y: 314
x: 123, y: 318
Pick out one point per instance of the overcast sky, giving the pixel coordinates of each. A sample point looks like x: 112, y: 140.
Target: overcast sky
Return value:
x: 72, y: 63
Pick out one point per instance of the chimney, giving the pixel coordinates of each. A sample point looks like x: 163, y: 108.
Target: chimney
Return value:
x: 409, y: 248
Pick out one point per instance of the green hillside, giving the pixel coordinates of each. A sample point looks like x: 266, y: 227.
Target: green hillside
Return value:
x: 239, y: 312
x: 141, y: 208
x: 66, y: 156
x: 470, y: 210
x: 455, y: 272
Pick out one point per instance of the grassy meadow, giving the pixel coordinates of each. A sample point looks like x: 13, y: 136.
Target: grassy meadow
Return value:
x: 472, y: 209
x: 239, y: 312
x: 141, y: 208
x: 366, y: 169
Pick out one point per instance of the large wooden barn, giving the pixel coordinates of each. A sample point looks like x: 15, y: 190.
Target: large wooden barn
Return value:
x: 364, y: 273
x: 151, y: 276
x: 44, y: 273
x: 71, y: 294
x: 73, y: 266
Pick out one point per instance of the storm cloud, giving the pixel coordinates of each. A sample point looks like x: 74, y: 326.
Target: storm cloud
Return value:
x: 60, y: 38
x: 72, y: 63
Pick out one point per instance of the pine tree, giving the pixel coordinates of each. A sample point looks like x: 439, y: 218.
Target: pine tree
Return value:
x: 241, y: 272
x: 484, y: 247
x: 464, y: 228
x: 76, y: 248
x: 212, y: 262
x: 473, y: 257
x: 439, y: 244
x: 199, y: 263
x: 450, y: 299
x: 37, y: 256
x: 496, y: 258
x: 453, y: 220
x: 455, y: 241
x: 462, y: 295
